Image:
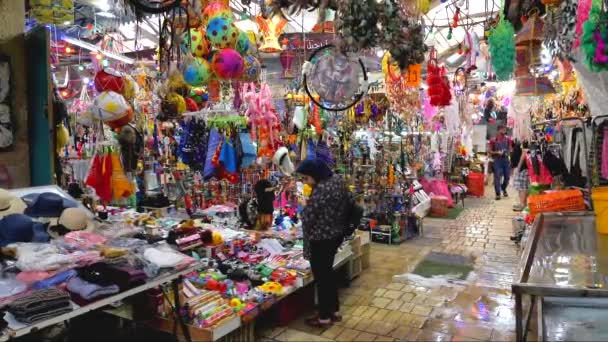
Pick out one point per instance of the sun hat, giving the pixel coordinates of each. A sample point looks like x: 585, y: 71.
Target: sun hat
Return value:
x: 72, y: 219
x: 110, y: 106
x: 46, y: 204
x: 10, y: 204
x: 19, y: 228
x: 282, y: 161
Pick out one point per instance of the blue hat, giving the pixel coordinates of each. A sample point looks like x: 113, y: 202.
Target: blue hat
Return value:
x: 46, y: 204
x: 314, y: 168
x: 16, y: 228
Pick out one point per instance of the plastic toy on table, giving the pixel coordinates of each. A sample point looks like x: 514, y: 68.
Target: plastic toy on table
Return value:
x: 283, y: 276
x: 272, y: 287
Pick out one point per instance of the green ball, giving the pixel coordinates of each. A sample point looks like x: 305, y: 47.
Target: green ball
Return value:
x: 243, y: 44
x: 198, y: 72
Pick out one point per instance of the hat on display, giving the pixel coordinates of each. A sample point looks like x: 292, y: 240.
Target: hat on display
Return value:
x: 20, y: 228
x: 72, y: 219
x: 46, y: 204
x: 282, y: 161
x: 110, y: 106
x: 10, y: 204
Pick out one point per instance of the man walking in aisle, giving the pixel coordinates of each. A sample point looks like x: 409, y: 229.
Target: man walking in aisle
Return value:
x: 500, y: 149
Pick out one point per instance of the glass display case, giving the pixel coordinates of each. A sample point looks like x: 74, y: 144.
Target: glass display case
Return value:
x: 564, y: 263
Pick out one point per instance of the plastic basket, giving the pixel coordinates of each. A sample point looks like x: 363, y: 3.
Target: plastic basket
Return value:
x: 556, y: 201
x: 475, y: 184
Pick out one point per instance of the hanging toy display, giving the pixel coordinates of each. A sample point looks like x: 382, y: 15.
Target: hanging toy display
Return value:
x: 438, y: 86
x: 582, y: 14
x: 502, y: 49
x: 593, y: 41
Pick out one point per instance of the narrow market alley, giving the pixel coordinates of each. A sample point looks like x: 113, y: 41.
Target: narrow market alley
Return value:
x: 381, y: 305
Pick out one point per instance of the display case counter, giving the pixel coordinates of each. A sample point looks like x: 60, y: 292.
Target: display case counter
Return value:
x: 564, y: 261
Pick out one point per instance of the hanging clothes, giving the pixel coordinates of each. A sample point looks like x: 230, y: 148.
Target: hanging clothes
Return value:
x: 604, y: 154
x: 575, y: 159
x: 537, y: 169
x: 574, y: 151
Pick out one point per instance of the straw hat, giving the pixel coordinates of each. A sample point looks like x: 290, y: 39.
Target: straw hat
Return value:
x: 10, y: 204
x: 73, y: 219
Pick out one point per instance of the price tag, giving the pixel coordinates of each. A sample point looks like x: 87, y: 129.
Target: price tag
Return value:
x: 414, y: 76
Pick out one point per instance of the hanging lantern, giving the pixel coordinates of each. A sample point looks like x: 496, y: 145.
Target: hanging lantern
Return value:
x: 271, y: 29
x: 529, y: 71
x: 286, y: 58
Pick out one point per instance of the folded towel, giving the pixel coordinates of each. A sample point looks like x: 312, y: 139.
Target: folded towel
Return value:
x: 163, y: 258
x: 135, y: 275
x: 40, y: 304
x: 90, y: 291
x: 55, y: 280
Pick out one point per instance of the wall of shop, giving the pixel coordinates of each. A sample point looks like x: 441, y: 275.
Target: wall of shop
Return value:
x: 14, y: 164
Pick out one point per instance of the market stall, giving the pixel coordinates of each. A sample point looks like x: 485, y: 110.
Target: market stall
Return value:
x: 178, y: 127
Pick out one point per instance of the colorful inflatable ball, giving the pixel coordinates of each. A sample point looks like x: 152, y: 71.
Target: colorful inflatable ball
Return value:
x: 216, y: 9
x: 228, y: 64
x: 197, y: 72
x: 221, y: 33
x: 199, y: 45
x: 243, y: 44
x: 251, y: 68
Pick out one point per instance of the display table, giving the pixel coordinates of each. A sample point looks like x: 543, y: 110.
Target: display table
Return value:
x: 563, y: 261
x: 18, y: 329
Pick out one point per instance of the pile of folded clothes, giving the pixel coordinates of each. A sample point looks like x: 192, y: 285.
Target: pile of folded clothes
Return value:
x: 39, y: 305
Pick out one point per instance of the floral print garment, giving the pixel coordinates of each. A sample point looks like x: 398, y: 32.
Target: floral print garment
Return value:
x: 325, y: 214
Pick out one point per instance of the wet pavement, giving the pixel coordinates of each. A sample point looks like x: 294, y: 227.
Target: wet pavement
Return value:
x: 381, y: 305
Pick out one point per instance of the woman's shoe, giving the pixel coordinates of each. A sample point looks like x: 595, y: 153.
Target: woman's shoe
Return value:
x: 336, y: 317
x: 319, y: 323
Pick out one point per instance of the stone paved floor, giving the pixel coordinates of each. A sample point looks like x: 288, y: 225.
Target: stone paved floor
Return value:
x: 377, y: 307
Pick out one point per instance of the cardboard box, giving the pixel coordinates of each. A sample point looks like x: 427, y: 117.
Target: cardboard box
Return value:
x: 364, y: 235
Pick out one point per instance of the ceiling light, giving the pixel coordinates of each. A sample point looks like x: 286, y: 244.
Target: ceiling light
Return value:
x: 100, y: 53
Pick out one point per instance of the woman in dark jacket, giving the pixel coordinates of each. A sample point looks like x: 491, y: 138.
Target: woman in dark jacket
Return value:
x: 323, y: 225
